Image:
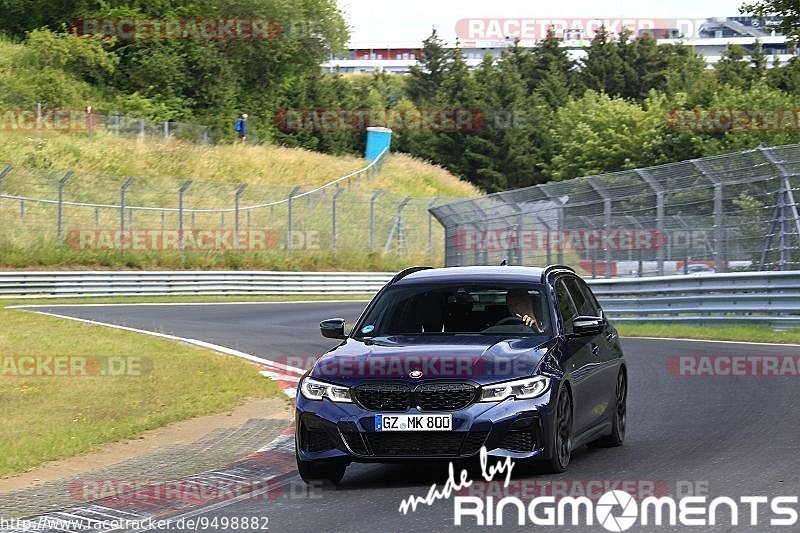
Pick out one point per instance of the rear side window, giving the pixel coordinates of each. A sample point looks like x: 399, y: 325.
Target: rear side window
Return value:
x: 565, y: 306
x: 590, y: 298
x: 584, y: 301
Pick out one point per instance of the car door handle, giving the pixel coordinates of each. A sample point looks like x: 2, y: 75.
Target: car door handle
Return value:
x: 595, y: 350
x: 611, y: 336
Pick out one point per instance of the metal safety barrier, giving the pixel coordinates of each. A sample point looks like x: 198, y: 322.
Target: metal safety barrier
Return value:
x: 763, y: 297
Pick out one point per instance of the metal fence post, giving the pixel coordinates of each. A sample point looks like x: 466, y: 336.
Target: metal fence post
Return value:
x: 607, y: 207
x: 592, y: 255
x: 333, y: 215
x: 123, y: 191
x: 166, y: 130
x: 182, y: 190
x: 22, y: 209
x: 372, y: 219
x: 3, y: 175
x: 239, y: 190
x: 430, y: 225
x: 719, y: 238
x: 289, y: 226
x: 61, y: 182
x: 659, y: 190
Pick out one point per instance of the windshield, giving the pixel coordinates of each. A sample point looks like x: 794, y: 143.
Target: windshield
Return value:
x: 487, y: 309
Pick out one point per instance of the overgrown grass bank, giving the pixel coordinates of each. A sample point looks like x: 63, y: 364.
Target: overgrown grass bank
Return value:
x: 366, y: 236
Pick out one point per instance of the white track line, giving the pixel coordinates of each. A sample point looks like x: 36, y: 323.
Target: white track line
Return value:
x: 196, y: 342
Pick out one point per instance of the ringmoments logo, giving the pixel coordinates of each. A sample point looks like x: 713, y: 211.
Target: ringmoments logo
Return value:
x: 618, y: 511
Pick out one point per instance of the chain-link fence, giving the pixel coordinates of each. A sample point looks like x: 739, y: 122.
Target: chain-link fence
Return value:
x: 42, y: 118
x: 95, y: 214
x: 724, y: 213
x: 125, y: 126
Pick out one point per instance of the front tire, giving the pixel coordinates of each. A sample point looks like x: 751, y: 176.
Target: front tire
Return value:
x: 561, y: 436
x: 620, y: 420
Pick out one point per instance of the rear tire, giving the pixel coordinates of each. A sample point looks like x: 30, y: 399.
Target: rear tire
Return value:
x: 620, y: 420
x: 321, y: 471
x: 561, y: 443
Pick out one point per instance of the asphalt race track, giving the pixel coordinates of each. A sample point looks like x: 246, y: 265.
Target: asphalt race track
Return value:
x: 725, y: 436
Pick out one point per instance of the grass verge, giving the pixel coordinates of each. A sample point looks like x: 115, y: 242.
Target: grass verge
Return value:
x: 49, y: 418
x: 743, y: 333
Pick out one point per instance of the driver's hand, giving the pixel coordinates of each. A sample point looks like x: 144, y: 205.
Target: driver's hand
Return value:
x: 530, y: 321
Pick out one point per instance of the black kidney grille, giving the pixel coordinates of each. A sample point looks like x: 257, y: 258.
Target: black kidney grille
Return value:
x: 384, y: 396
x: 428, y: 397
x: 444, y: 396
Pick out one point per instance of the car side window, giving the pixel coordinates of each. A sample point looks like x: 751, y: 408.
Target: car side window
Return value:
x: 591, y: 300
x: 566, y: 307
x: 583, y: 301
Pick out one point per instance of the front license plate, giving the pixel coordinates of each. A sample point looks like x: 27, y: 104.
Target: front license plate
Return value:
x: 413, y: 422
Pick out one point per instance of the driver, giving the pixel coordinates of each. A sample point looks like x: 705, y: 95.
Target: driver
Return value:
x: 520, y: 305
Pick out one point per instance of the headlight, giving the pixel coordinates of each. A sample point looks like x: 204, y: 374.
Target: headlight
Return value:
x: 312, y: 389
x: 521, y: 389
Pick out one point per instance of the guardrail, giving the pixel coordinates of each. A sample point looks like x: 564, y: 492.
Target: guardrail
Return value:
x: 763, y: 297
x: 164, y: 283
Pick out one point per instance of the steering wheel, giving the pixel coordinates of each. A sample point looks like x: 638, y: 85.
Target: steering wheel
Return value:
x: 509, y: 320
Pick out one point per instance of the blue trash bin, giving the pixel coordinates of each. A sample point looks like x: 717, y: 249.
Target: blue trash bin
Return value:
x: 378, y: 139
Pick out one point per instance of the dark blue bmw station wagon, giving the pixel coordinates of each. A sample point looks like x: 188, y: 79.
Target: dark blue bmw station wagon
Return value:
x: 443, y: 362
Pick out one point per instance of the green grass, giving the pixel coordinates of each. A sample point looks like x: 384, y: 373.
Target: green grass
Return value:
x: 743, y: 333
x: 49, y: 418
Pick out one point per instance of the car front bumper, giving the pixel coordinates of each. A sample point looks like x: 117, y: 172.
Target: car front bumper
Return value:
x: 327, y: 430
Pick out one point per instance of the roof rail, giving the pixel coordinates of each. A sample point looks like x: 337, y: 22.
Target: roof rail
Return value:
x: 403, y: 273
x: 554, y: 268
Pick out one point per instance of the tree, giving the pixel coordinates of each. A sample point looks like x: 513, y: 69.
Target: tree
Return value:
x: 604, y: 68
x: 597, y: 133
x: 733, y: 69
x: 425, y: 78
x: 787, y: 10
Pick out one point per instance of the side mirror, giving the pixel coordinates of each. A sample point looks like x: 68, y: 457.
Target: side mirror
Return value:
x: 332, y: 328
x: 584, y: 326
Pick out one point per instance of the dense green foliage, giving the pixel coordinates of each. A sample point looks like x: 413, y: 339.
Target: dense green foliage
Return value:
x: 537, y: 114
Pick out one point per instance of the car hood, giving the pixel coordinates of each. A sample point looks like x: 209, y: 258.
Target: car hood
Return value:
x: 479, y: 359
